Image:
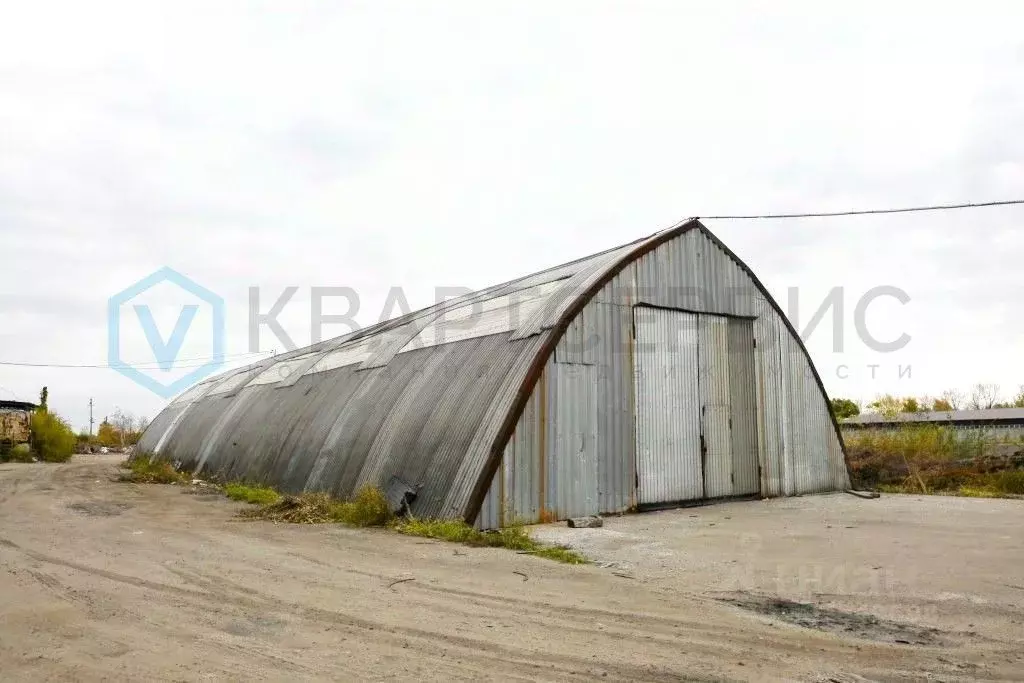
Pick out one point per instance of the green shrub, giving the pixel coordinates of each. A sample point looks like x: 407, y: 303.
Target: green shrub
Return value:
x: 20, y: 453
x: 143, y: 469
x: 1011, y: 482
x: 52, y: 438
x: 254, y: 495
x: 369, y: 507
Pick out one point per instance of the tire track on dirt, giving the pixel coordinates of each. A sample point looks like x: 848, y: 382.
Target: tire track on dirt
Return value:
x: 567, y: 666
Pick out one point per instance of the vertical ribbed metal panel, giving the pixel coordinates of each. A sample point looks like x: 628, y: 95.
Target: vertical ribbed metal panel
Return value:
x: 572, y: 440
x: 667, y: 406
x: 692, y: 273
x: 579, y: 344
x: 715, y: 408
x: 523, y: 469
x: 770, y: 400
x: 616, y: 439
x: 489, y: 516
x: 743, y: 404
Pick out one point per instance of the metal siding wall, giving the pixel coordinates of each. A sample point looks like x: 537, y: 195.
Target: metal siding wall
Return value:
x: 667, y: 406
x: 743, y: 401
x: 572, y: 440
x: 522, y: 469
x: 579, y: 343
x: 715, y: 406
x: 489, y: 516
x: 800, y: 451
x: 616, y: 440
x: 530, y: 468
x: 770, y: 401
x: 692, y: 273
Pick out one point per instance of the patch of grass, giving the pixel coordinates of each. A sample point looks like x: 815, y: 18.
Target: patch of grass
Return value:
x: 369, y: 507
x: 975, y: 492
x: 20, y: 453
x: 254, y: 495
x: 1007, y: 484
x: 308, y: 508
x: 561, y: 554
x: 143, y: 469
x: 511, y: 537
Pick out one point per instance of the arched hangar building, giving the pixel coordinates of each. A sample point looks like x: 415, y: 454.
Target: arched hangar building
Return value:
x: 655, y: 373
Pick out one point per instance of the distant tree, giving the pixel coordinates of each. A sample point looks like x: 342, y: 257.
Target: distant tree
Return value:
x: 44, y: 396
x: 983, y: 396
x: 887, y: 405
x: 53, y: 440
x: 954, y: 398
x: 107, y: 434
x: 942, y: 405
x: 1018, y: 400
x: 140, y: 426
x: 124, y: 425
x: 910, y: 405
x: 843, y: 408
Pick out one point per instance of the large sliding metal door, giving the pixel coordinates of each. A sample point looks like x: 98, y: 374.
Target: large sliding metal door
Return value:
x: 668, y: 455
x: 696, y: 408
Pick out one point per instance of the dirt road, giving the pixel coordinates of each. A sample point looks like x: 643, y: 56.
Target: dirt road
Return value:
x: 105, y: 580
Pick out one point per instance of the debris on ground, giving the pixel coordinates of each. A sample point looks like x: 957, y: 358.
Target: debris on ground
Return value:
x: 585, y: 522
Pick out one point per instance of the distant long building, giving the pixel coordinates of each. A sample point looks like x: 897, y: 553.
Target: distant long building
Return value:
x: 993, y: 418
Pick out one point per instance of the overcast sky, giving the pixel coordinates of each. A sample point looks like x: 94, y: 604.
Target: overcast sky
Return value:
x: 383, y: 144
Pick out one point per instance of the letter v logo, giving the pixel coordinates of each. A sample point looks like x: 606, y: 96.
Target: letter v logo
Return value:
x: 166, y: 352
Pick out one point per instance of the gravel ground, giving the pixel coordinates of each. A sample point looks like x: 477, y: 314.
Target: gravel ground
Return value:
x: 102, y: 580
x: 956, y: 564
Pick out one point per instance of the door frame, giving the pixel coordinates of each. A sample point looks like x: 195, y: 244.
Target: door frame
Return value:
x: 755, y: 398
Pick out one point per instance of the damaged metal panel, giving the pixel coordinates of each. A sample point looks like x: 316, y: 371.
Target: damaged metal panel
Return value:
x: 668, y: 440
x: 692, y: 273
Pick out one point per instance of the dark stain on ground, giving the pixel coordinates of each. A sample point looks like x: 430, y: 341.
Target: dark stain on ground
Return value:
x: 99, y: 508
x: 854, y: 624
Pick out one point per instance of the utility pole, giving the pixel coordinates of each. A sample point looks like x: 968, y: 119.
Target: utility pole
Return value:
x: 90, y: 418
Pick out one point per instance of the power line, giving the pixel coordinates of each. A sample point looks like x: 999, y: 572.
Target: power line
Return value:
x: 862, y: 212
x: 144, y: 365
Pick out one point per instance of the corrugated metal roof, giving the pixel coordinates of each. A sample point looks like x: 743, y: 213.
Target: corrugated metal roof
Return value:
x: 411, y: 397
x: 1010, y: 415
x: 431, y: 397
